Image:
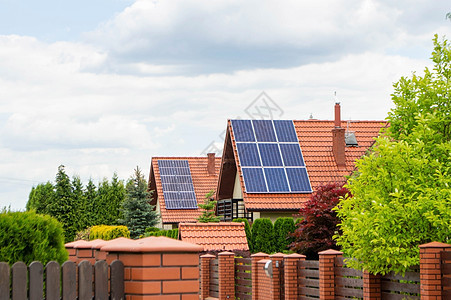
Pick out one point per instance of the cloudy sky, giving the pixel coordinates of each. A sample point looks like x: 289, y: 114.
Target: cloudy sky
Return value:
x: 101, y: 86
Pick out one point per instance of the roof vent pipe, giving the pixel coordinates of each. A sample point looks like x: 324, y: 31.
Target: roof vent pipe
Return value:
x: 211, y: 164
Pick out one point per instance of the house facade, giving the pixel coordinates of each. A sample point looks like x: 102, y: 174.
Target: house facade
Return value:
x: 179, y: 184
x: 269, y: 168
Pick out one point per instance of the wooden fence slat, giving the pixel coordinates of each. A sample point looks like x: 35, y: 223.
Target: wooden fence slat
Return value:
x: 117, y: 280
x: 36, y: 271
x: 101, y: 280
x: 387, y: 296
x: 52, y: 281
x: 354, y: 282
x: 349, y: 292
x: 309, y: 273
x: 69, y: 281
x: 84, y: 280
x: 4, y: 281
x: 348, y: 272
x: 19, y: 271
x: 409, y: 276
x: 400, y: 287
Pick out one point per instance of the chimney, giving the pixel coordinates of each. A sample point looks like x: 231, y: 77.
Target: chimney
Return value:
x: 211, y: 164
x: 338, y: 138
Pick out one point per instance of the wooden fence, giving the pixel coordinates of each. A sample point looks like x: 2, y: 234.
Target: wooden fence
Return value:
x: 243, y: 278
x: 308, y: 279
x: 67, y: 282
x: 214, y: 278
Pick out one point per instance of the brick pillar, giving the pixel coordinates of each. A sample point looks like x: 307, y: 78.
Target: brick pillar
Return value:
x: 71, y: 251
x: 157, y: 267
x: 205, y: 275
x: 264, y: 282
x: 371, y: 286
x: 255, y: 258
x: 430, y: 270
x: 277, y: 261
x: 327, y: 273
x: 290, y: 268
x: 226, y: 266
x: 84, y: 252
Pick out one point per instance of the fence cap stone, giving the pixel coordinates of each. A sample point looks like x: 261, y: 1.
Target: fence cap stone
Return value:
x: 330, y: 252
x: 294, y: 255
x: 151, y: 244
x: 435, y: 245
x: 226, y: 253
x: 277, y: 255
x: 72, y: 244
x: 259, y: 254
x: 207, y: 256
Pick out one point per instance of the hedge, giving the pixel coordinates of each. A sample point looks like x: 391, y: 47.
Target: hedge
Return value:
x: 247, y: 229
x: 282, y: 228
x: 106, y: 232
x: 263, y: 236
x: 27, y: 236
x: 171, y: 233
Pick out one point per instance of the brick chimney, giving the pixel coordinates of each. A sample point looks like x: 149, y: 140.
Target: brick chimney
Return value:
x: 211, y: 164
x: 338, y: 138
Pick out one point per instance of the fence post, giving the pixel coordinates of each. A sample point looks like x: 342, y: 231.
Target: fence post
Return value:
x: 371, y: 286
x: 226, y: 266
x: 205, y: 275
x: 430, y: 270
x: 157, y: 267
x: 255, y: 258
x: 290, y: 263
x: 276, y: 287
x: 327, y: 273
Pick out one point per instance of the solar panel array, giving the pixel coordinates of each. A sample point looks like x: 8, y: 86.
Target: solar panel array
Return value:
x: 178, y: 189
x: 270, y: 156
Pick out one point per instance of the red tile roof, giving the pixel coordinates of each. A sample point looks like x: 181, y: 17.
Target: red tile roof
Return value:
x: 315, y: 139
x: 203, y: 183
x: 228, y: 236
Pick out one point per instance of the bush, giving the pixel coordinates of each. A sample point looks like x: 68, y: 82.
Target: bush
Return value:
x: 263, y: 236
x: 106, y: 232
x: 247, y: 229
x: 283, y: 227
x: 27, y: 236
x: 171, y: 233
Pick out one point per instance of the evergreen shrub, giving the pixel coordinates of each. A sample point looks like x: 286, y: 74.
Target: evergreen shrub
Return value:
x: 283, y: 227
x: 106, y: 232
x: 247, y: 229
x: 263, y: 236
x: 27, y: 236
x: 171, y: 233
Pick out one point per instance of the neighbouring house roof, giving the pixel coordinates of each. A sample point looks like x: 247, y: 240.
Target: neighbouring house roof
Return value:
x: 203, y: 182
x: 227, y: 236
x: 315, y: 139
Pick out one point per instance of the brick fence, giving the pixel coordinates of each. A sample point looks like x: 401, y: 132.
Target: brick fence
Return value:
x: 293, y: 277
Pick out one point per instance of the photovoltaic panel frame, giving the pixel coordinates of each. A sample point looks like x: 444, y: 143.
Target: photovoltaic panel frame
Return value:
x: 178, y: 188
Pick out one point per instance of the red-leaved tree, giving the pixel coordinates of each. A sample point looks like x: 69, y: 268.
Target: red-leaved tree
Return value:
x: 319, y: 222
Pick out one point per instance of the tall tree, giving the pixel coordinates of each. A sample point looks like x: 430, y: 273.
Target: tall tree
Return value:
x: 209, y: 205
x: 40, y: 197
x: 402, y: 190
x: 138, y: 214
x: 63, y: 206
x: 91, y: 207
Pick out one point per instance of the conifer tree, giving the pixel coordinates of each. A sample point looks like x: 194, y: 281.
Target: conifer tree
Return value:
x: 208, y: 215
x: 137, y: 213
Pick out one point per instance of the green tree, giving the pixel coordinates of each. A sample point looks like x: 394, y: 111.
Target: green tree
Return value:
x: 247, y: 230
x: 283, y: 227
x: 263, y: 236
x: 63, y: 206
x: 79, y: 201
x: 401, y: 192
x: 40, y: 197
x: 137, y: 213
x: 91, y: 207
x: 208, y: 214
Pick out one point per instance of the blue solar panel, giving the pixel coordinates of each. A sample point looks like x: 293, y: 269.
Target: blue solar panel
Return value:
x: 270, y: 154
x: 272, y: 149
x: 285, y: 131
x: 298, y: 179
x: 248, y: 154
x: 242, y: 130
x: 277, y: 180
x: 178, y: 188
x: 291, y: 154
x: 254, y: 180
x: 264, y: 131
